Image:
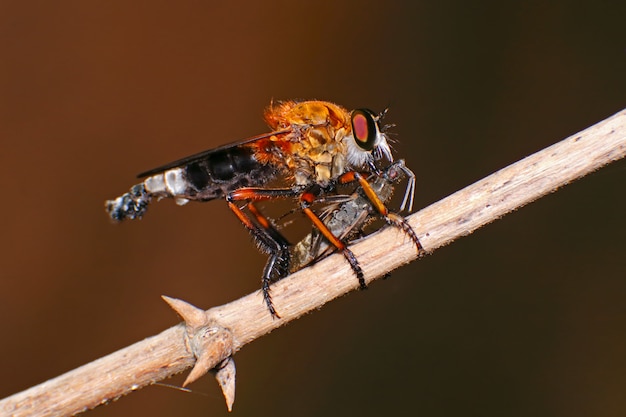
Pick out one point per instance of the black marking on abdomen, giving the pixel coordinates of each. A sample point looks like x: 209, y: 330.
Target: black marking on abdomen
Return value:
x: 197, y: 176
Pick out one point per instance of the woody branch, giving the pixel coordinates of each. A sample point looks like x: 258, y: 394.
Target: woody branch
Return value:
x: 246, y: 319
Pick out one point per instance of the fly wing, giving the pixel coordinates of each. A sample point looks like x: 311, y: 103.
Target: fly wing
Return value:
x: 204, y: 154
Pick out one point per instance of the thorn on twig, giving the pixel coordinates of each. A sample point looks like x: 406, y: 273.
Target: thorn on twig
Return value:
x: 225, y: 375
x: 212, y: 346
x: 195, y: 318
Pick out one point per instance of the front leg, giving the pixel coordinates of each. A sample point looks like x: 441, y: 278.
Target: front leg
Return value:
x: 391, y: 218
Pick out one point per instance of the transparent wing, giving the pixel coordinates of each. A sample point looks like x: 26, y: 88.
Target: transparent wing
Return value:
x: 202, y: 155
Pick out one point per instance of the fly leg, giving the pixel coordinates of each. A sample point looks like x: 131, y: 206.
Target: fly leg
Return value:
x: 268, y: 239
x: 277, y: 266
x: 391, y: 218
x: 308, y: 198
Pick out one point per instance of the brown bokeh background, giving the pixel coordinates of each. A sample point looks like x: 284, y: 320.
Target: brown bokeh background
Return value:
x: 525, y: 317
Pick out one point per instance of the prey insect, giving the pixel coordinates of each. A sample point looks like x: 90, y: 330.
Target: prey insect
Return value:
x: 314, y: 146
x: 348, y: 216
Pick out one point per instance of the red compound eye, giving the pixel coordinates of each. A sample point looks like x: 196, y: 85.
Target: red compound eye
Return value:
x: 364, y: 128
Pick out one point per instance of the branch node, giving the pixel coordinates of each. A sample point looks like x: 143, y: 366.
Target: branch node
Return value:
x: 211, y: 344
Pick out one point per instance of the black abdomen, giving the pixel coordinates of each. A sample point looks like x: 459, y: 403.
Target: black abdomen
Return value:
x: 224, y: 171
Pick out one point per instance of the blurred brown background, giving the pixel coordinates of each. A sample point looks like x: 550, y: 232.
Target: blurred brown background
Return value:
x: 524, y: 317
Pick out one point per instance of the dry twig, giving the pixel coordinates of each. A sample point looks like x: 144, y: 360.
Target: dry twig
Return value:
x: 214, y: 335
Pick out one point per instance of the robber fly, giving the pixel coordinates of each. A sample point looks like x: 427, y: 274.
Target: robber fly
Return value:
x: 347, y: 216
x: 313, y: 147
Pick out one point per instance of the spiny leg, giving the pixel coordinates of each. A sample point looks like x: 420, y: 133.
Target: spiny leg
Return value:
x: 267, y: 279
x: 401, y: 223
x: 268, y: 239
x: 277, y: 265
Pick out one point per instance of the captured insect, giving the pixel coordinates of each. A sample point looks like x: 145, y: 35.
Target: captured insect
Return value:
x: 348, y: 216
x: 314, y: 147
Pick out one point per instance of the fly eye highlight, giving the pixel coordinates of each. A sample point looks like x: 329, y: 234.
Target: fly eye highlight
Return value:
x: 365, y: 128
